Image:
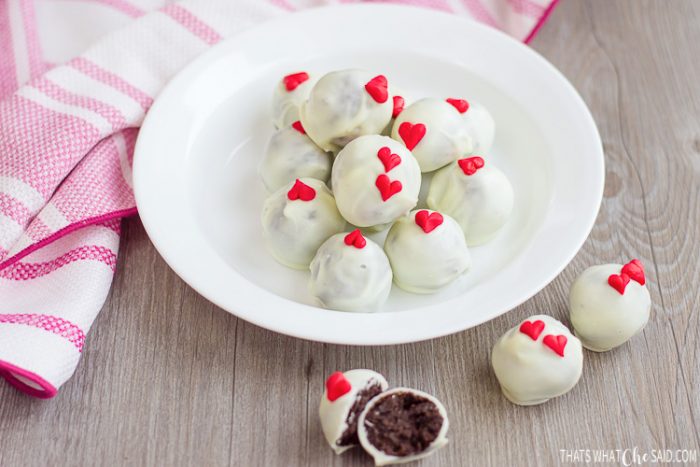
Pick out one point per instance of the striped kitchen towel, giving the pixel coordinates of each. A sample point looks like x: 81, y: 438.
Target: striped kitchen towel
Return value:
x: 76, y: 79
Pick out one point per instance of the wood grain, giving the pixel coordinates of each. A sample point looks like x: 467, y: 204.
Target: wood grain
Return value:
x: 169, y: 379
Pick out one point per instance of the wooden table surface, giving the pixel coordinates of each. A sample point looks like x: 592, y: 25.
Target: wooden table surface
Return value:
x: 167, y: 378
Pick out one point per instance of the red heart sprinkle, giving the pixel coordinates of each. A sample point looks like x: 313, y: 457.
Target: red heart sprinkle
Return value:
x: 411, y: 134
x: 428, y: 221
x: 301, y: 191
x: 471, y: 164
x: 619, y: 282
x: 355, y: 239
x: 377, y: 88
x: 460, y: 104
x: 337, y: 385
x: 388, y: 159
x: 399, y: 103
x: 532, y: 328
x: 635, y: 269
x: 298, y: 126
x: 386, y: 187
x: 291, y: 82
x: 556, y: 343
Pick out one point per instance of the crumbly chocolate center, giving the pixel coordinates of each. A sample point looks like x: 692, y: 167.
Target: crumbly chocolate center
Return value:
x: 349, y: 436
x: 403, y: 424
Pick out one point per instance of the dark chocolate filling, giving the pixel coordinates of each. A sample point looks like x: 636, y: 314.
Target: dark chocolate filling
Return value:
x: 349, y: 436
x: 403, y: 424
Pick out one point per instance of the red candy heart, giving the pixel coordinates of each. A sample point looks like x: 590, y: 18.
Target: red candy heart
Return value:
x: 386, y: 187
x: 399, y: 102
x: 377, y: 88
x: 291, y: 82
x: 619, y: 282
x: 411, y: 134
x: 298, y: 126
x: 460, y: 104
x: 532, y: 328
x: 428, y: 221
x: 388, y: 159
x: 471, y: 164
x: 337, y: 385
x: 556, y: 343
x: 635, y: 270
x: 355, y: 239
x: 301, y: 191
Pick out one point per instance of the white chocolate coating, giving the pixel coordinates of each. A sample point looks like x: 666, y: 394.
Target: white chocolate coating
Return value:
x: 334, y: 415
x: 350, y: 279
x: 382, y: 458
x: 530, y: 372
x: 286, y: 104
x: 425, y: 262
x: 446, y: 137
x: 481, y: 203
x: 293, y: 230
x: 426, y: 181
x: 354, y: 175
x: 602, y: 317
x: 340, y: 109
x: 480, y: 127
x: 291, y: 155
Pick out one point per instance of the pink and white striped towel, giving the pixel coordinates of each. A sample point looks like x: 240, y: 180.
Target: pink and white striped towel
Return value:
x: 76, y: 79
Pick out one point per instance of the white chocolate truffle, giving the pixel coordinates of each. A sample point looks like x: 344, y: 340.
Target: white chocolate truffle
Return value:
x: 343, y: 401
x: 289, y: 95
x: 350, y: 273
x: 291, y: 154
x: 434, y: 131
x: 297, y: 219
x: 608, y: 304
x: 427, y: 251
x: 376, y: 180
x: 344, y: 105
x: 402, y: 425
x: 480, y: 127
x: 537, y: 360
x: 476, y: 194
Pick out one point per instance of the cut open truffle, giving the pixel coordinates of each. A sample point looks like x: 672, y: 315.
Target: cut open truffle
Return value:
x: 402, y: 425
x: 343, y: 402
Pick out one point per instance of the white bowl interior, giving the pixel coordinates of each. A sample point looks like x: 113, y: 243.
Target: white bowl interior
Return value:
x: 228, y: 150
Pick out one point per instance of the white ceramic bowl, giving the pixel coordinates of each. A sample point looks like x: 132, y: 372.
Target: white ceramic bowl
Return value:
x: 200, y: 197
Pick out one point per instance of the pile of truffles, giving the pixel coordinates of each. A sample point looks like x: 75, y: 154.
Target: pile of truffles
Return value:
x: 347, y: 161
x: 393, y: 426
